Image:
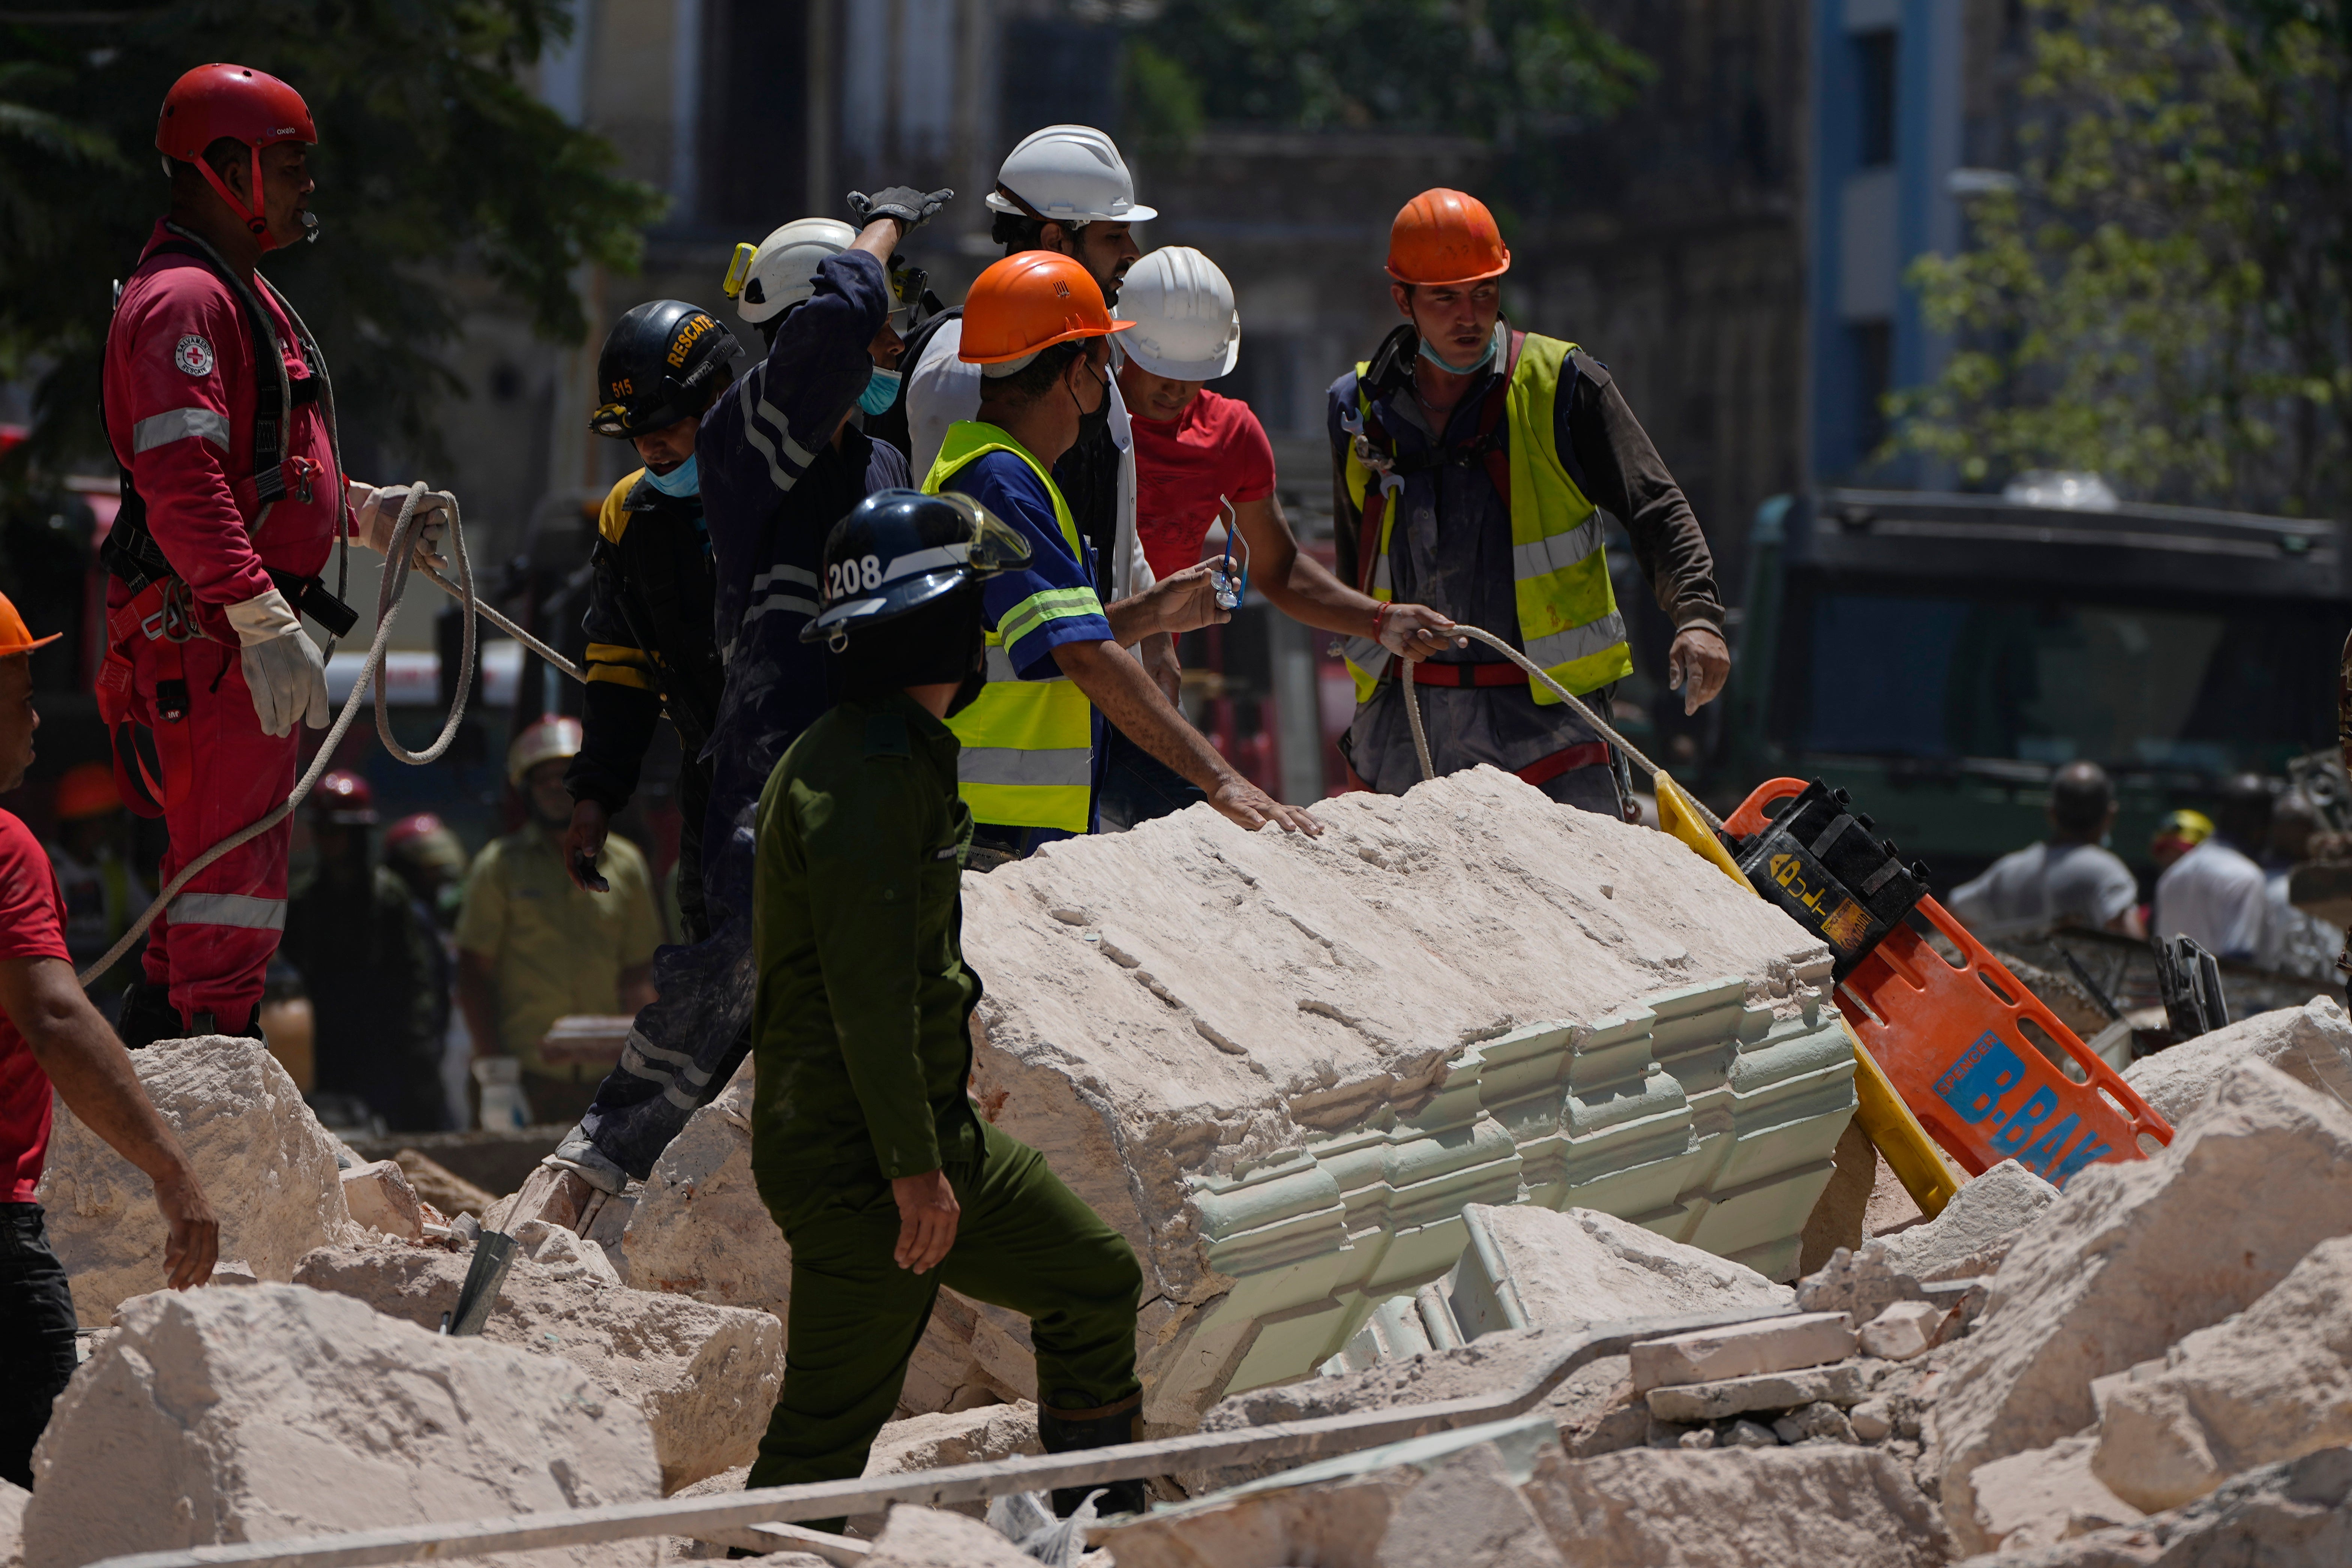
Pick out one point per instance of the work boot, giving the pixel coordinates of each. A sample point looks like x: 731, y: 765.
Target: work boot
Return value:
x: 1065, y: 1429
x: 148, y: 1014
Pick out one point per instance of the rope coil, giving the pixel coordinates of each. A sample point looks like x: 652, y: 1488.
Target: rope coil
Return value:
x: 397, y: 564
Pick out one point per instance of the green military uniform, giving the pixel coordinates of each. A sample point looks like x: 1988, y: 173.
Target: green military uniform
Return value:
x: 863, y: 1066
x: 555, y: 948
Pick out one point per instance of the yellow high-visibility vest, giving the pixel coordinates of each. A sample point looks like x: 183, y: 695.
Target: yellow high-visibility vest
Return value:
x: 1568, y: 609
x: 1028, y: 745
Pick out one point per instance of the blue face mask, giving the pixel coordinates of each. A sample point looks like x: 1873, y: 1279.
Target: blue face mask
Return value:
x: 881, y: 391
x: 683, y: 481
x: 1480, y: 363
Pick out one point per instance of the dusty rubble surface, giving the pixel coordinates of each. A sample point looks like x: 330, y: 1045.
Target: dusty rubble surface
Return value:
x: 2134, y: 1257
x: 1530, y: 1268
x: 950, y: 1438
x: 2296, y: 1514
x: 274, y: 1412
x: 2273, y: 1382
x: 706, y: 1377
x: 1976, y: 1229
x: 928, y: 1538
x: 2311, y: 1044
x: 441, y: 1186
x: 264, y: 1160
x: 13, y: 1499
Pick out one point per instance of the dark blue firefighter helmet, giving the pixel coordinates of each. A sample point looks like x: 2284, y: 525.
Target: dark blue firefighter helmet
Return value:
x: 900, y: 550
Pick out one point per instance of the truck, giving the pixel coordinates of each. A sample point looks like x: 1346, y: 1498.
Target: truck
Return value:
x: 1940, y: 656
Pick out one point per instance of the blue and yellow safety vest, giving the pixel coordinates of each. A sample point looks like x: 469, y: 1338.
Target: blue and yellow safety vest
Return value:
x: 1028, y: 745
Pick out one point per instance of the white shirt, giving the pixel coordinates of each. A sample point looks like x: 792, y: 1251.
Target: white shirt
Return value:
x: 943, y: 388
x: 2215, y: 897
x: 2042, y: 884
x: 2294, y: 941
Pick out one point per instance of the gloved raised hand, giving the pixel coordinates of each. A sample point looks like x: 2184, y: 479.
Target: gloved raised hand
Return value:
x: 375, y: 508
x: 910, y: 206
x: 282, y: 668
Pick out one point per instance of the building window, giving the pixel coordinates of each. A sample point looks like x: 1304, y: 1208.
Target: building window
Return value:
x: 755, y: 119
x: 1874, y: 378
x: 1875, y: 76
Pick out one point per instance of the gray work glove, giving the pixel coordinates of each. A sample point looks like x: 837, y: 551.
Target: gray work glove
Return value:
x: 910, y: 206
x: 283, y: 672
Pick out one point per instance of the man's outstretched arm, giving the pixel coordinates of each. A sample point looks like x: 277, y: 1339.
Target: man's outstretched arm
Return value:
x: 92, y: 1074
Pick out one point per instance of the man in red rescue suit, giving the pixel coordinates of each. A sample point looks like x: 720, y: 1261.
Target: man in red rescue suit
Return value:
x: 220, y: 412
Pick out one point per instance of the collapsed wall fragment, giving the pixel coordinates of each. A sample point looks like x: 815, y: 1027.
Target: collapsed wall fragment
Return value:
x: 1282, y: 1067
x: 262, y: 1157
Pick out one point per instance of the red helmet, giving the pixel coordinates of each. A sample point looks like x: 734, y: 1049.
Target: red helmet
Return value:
x: 344, y: 799
x: 86, y: 789
x: 239, y: 102
x: 408, y: 829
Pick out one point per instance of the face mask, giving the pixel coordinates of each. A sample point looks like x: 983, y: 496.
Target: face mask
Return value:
x: 1097, y: 421
x: 881, y: 391
x: 683, y: 481
x: 1472, y: 369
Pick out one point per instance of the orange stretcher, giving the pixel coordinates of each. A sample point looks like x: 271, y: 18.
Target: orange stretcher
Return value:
x: 1989, y: 1071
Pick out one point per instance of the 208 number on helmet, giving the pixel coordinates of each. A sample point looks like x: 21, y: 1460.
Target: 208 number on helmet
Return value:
x: 846, y: 577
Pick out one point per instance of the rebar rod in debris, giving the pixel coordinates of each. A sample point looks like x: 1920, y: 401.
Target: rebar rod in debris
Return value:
x: 727, y: 1516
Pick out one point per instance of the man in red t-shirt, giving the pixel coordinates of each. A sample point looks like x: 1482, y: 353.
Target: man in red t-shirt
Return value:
x: 51, y: 1035
x: 1200, y: 458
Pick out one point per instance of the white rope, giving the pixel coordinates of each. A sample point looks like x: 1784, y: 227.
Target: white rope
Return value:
x: 1535, y: 671
x: 387, y: 607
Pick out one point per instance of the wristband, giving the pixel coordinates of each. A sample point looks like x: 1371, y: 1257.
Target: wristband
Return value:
x: 1379, y: 613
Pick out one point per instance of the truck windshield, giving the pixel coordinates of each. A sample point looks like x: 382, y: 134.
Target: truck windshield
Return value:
x: 2128, y: 686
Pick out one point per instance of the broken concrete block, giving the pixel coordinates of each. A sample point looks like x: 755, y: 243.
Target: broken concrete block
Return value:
x: 1528, y: 1268
x: 1288, y: 1153
x: 2272, y: 1383
x: 950, y: 1438
x: 1860, y: 1284
x: 1774, y: 1344
x: 1594, y: 1407
x: 706, y: 1377
x: 380, y: 1198
x: 2311, y: 1044
x: 1841, y: 1215
x: 1746, y: 1433
x: 262, y: 1159
x: 233, y: 1271
x: 1819, y: 1422
x: 930, y: 1538
x: 1738, y: 1508
x: 2296, y: 1514
x: 442, y: 1187
x: 1976, y: 1229
x: 1335, y: 1511
x: 1872, y: 1420
x: 13, y: 1499
x: 1842, y: 1384
x: 1468, y: 1513
x: 278, y: 1412
x: 565, y: 1255
x: 2044, y: 1496
x: 2137, y: 1256
x: 1905, y: 1329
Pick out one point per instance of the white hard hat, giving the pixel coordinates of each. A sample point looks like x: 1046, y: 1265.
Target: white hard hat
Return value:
x: 1182, y: 307
x: 1068, y: 174
x: 783, y: 270
x: 550, y: 739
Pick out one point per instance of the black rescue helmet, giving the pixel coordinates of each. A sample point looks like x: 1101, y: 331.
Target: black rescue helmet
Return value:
x: 661, y: 364
x: 899, y: 550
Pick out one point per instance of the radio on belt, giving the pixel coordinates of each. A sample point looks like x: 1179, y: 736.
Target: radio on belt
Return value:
x: 1820, y: 862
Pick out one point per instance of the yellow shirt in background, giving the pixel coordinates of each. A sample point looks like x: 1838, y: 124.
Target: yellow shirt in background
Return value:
x: 555, y: 948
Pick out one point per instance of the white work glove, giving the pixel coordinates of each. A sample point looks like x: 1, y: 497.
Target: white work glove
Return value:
x: 375, y: 508
x: 281, y: 663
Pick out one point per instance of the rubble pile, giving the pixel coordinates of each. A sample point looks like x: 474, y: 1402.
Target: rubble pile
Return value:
x: 269, y: 1166
x: 706, y: 1377
x: 1463, y: 995
x: 275, y: 1412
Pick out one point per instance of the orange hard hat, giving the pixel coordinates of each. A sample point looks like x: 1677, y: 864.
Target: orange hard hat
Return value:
x: 1031, y: 300
x: 86, y: 789
x: 16, y: 637
x: 1445, y: 237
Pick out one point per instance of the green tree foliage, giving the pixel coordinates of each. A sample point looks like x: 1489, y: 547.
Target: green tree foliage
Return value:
x: 1505, y: 70
x: 2162, y: 297
x: 433, y: 154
